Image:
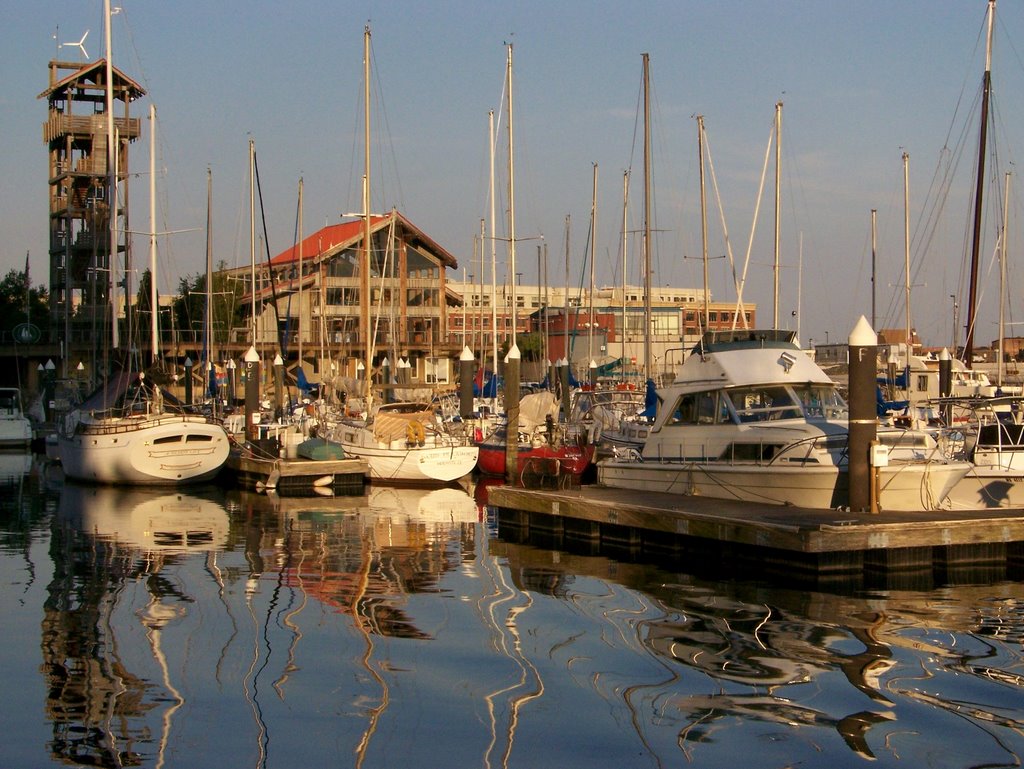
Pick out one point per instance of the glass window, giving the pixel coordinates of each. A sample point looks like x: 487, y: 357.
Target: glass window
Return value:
x: 419, y: 265
x: 763, y: 403
x: 822, y: 402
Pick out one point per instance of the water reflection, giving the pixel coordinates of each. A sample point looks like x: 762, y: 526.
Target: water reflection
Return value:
x: 394, y: 628
x: 777, y: 670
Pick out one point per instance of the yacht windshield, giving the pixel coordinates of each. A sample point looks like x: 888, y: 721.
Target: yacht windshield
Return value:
x: 765, y: 402
x: 822, y: 401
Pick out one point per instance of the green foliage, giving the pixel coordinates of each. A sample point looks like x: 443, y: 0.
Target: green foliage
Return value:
x: 531, y: 347
x: 13, y: 301
x: 189, y: 308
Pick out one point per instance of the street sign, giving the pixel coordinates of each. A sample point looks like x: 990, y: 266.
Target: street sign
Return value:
x: 26, y: 333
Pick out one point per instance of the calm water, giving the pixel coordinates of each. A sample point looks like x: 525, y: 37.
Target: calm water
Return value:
x: 397, y: 629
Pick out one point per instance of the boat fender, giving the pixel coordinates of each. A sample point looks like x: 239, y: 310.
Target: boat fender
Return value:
x: 415, y: 433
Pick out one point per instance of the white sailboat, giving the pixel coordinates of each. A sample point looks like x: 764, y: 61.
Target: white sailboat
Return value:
x: 130, y: 432
x: 401, y: 442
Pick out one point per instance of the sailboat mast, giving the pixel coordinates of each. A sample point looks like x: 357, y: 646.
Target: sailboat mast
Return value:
x: 154, y: 341
x: 210, y: 366
x: 1002, y: 275
x: 111, y: 179
x: 565, y: 324
x: 252, y: 236
x: 364, y: 271
x: 492, y: 140
x: 703, y: 223
x: 593, y: 258
x: 874, y: 255
x: 647, y: 219
x: 512, y: 206
x: 778, y: 180
x: 625, y: 241
x: 300, y: 329
x: 906, y: 253
x: 479, y: 302
x: 979, y: 189
x: 547, y: 303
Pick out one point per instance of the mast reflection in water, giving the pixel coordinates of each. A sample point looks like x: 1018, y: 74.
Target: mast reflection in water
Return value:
x: 396, y: 628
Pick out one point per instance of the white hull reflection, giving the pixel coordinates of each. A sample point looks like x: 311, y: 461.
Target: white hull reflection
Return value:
x: 146, y: 518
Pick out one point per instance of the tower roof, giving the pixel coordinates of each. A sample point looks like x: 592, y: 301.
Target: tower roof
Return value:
x: 91, y: 76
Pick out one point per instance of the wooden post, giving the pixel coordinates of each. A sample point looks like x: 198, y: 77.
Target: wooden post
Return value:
x: 566, y: 394
x: 252, y: 395
x: 512, y: 413
x: 466, y: 364
x: 188, y: 381
x: 946, y: 385
x: 278, y: 387
x: 387, y: 395
x: 230, y: 367
x: 863, y: 426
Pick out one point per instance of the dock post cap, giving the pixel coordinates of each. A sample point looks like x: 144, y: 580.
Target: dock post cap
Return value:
x: 863, y: 335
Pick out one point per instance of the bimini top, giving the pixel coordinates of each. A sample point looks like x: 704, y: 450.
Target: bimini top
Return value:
x: 740, y: 339
x: 743, y: 358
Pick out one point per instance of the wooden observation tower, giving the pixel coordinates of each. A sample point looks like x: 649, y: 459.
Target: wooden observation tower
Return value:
x: 81, y: 253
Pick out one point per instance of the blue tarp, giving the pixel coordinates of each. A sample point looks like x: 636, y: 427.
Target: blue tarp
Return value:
x: 900, y: 380
x: 488, y: 390
x: 884, y: 407
x: 650, y: 401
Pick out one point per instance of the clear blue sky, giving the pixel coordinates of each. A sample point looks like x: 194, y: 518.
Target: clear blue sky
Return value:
x: 861, y: 83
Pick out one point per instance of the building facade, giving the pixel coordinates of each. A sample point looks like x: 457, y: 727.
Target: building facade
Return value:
x: 608, y: 328
x: 308, y: 303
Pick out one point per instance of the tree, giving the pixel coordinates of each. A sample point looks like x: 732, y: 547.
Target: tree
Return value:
x: 21, y: 303
x: 189, y: 308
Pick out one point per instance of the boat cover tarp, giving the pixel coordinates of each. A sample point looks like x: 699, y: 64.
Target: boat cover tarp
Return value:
x: 115, y: 391
x: 534, y: 409
x: 391, y: 426
x: 320, y: 448
x: 884, y: 407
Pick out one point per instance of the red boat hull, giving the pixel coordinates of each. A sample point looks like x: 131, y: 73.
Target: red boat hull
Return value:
x: 572, y: 459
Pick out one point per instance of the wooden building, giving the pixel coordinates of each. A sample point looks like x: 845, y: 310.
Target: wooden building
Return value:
x: 309, y: 303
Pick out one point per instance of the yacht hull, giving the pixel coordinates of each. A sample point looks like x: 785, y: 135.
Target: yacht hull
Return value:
x: 902, y: 487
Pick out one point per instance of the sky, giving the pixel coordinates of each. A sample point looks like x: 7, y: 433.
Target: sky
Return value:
x: 862, y: 83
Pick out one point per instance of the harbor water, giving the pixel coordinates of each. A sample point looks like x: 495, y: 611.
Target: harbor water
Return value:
x: 216, y: 628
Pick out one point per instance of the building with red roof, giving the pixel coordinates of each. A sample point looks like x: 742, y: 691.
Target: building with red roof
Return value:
x: 311, y: 301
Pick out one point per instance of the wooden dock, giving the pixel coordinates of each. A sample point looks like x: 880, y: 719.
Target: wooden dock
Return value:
x: 778, y: 538
x: 299, y: 477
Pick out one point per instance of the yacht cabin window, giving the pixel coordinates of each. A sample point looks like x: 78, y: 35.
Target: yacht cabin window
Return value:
x: 705, y: 408
x: 762, y: 403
